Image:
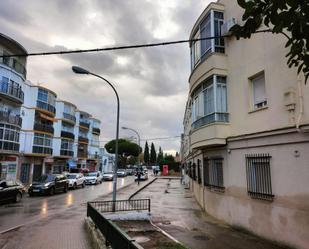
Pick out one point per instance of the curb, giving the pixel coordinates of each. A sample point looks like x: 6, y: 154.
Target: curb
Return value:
x: 139, y: 190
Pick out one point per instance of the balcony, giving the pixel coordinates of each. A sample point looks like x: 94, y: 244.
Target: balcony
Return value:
x: 67, y: 134
x: 83, y: 139
x: 213, y: 134
x: 6, y: 117
x: 82, y: 154
x: 69, y: 117
x: 96, y: 131
x: 211, y: 118
x: 15, y: 65
x: 12, y: 91
x: 46, y: 107
x: 83, y: 124
x: 44, y: 128
x: 9, y: 146
x: 67, y: 153
x: 42, y: 150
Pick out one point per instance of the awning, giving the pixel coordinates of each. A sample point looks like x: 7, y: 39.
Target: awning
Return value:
x: 48, y: 117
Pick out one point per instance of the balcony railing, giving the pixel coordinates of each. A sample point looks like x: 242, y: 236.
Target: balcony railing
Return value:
x: 83, y: 139
x: 67, y: 134
x: 83, y: 154
x: 66, y: 153
x: 211, y: 118
x: 96, y: 131
x: 43, y: 127
x: 14, y: 64
x: 69, y: 117
x: 9, y: 118
x: 42, y: 150
x: 45, y: 106
x: 9, y: 146
x: 84, y: 124
x: 13, y: 91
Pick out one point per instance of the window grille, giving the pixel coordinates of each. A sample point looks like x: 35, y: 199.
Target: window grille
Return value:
x: 213, y: 173
x: 258, y: 176
x: 194, y: 171
x: 199, y: 176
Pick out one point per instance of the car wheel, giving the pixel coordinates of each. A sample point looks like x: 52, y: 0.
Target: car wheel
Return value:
x: 18, y: 197
x: 65, y: 189
x: 52, y: 191
x: 74, y: 186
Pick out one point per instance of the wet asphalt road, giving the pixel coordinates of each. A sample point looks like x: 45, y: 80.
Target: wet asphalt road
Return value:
x: 51, y: 221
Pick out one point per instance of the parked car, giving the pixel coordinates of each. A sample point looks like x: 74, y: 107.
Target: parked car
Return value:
x: 49, y: 184
x: 108, y: 176
x: 130, y: 172
x: 11, y: 191
x: 121, y: 173
x: 76, y: 180
x: 93, y: 178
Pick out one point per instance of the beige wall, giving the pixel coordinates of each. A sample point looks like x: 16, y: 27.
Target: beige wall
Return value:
x: 269, y: 130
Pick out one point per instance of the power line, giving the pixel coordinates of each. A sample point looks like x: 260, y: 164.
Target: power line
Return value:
x: 78, y: 51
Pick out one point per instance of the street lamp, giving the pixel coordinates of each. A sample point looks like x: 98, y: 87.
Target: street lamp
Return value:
x: 139, y: 142
x: 80, y: 70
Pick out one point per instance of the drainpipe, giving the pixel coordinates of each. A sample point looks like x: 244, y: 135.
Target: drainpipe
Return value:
x: 301, y: 102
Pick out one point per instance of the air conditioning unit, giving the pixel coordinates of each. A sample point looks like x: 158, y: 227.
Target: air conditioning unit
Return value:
x: 227, y: 25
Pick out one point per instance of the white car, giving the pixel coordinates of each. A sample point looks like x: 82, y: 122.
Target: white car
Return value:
x: 76, y: 180
x: 93, y: 178
x: 143, y: 175
x: 108, y: 176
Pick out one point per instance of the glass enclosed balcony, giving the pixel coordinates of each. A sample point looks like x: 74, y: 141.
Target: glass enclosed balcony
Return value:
x: 11, y: 90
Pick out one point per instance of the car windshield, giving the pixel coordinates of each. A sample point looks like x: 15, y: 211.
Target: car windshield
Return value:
x: 108, y: 173
x: 71, y: 176
x: 121, y: 170
x: 46, y: 178
x: 92, y: 174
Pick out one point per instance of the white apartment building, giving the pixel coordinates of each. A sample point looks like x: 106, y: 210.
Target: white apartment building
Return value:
x: 246, y: 142
x: 12, y: 77
x: 37, y: 137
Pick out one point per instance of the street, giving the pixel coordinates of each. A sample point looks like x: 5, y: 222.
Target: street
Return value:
x: 51, y: 221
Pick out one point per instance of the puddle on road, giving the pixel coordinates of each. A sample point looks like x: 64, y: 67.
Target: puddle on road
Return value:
x: 141, y: 239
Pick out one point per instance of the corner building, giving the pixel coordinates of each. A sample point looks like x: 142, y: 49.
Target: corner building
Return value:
x: 12, y: 77
x: 246, y: 130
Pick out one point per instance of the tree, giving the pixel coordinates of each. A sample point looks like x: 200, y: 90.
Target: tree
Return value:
x: 125, y: 149
x: 160, y: 156
x: 153, y: 154
x: 146, y: 154
x: 287, y: 17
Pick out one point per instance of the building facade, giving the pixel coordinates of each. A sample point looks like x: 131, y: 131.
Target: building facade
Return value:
x: 246, y: 142
x: 12, y: 77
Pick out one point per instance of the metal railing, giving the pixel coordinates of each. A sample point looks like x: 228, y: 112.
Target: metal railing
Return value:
x: 122, y: 205
x: 112, y: 233
x: 96, y: 130
x: 211, y: 118
x: 67, y: 134
x: 66, y: 153
x: 9, y: 89
x: 84, y: 124
x: 45, y: 106
x: 14, y: 64
x: 83, y: 139
x: 6, y: 117
x: 43, y: 127
x: 69, y: 117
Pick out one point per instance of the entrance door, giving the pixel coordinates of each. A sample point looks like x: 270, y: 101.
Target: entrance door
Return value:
x: 25, y: 173
x: 37, y: 171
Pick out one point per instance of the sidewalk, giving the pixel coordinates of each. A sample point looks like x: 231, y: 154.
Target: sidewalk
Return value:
x: 174, y: 210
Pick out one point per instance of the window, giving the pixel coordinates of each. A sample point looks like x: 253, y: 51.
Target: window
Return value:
x: 9, y: 137
x: 199, y: 175
x: 66, y: 144
x: 43, y: 95
x: 213, y: 173
x: 4, y: 85
x: 210, y: 102
x: 42, y: 143
x: 209, y: 27
x: 258, y: 176
x: 259, y: 92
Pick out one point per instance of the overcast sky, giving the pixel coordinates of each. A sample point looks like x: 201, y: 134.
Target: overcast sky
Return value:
x: 152, y: 82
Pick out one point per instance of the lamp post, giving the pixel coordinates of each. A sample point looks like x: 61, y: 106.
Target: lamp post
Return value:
x: 80, y: 70
x: 139, y: 142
